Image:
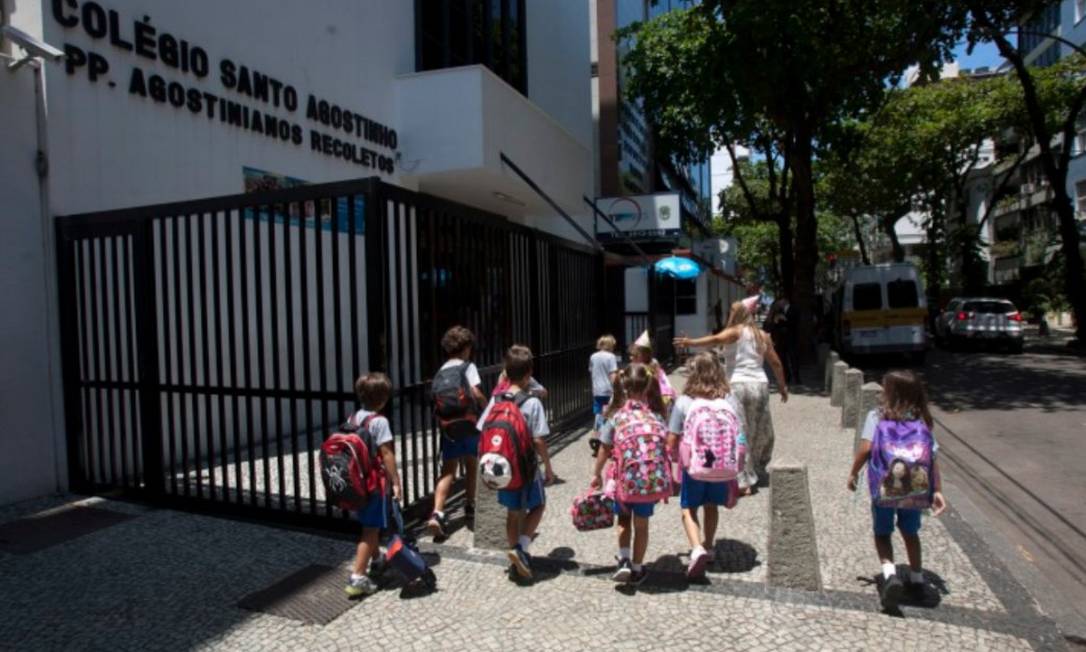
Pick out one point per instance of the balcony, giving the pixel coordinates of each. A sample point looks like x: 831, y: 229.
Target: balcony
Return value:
x: 1031, y: 194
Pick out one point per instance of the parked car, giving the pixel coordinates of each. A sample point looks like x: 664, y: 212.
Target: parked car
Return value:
x: 880, y: 309
x: 983, y: 321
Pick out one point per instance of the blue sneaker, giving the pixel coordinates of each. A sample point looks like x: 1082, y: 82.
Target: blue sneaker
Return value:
x: 522, y: 563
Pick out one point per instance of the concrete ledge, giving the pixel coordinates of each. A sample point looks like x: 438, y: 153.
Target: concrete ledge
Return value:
x: 837, y: 386
x: 850, y: 404
x: 827, y: 370
x: 793, y: 549
x: 870, y: 398
x: 489, y: 528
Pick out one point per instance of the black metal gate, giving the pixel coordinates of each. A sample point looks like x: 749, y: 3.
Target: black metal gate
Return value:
x: 208, y: 346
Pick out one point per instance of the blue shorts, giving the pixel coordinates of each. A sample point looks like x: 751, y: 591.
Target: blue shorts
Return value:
x: 375, y: 513
x: 599, y: 403
x: 452, y: 449
x: 696, y: 493
x: 644, y: 510
x: 908, y: 520
x: 526, y: 498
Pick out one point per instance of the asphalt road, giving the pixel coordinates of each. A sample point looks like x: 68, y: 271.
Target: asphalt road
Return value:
x: 1012, y: 434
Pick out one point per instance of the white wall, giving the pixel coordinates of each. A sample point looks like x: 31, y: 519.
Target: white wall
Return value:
x: 26, y: 408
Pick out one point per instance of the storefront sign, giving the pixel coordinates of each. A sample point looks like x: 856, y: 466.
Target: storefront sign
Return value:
x: 640, y: 217
x: 246, y: 98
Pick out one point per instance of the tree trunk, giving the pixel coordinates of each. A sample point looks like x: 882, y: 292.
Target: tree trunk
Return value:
x: 806, y: 233
x: 890, y: 227
x: 787, y: 257
x: 1074, y: 283
x: 934, y: 259
x: 860, y: 238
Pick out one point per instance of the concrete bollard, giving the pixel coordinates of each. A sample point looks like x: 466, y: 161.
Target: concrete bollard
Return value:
x: 827, y: 370
x: 793, y: 550
x: 489, y: 532
x: 850, y: 405
x: 870, y: 398
x: 837, y: 386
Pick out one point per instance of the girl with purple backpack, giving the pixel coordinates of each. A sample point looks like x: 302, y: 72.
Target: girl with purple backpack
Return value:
x: 903, y: 478
x: 634, y: 438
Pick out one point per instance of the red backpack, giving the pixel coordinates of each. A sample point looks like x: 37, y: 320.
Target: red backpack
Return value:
x: 350, y: 467
x: 507, y: 458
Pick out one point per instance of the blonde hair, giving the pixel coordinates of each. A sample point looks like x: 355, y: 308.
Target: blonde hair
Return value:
x: 606, y: 343
x: 741, y: 318
x: 637, y: 382
x: 707, y: 379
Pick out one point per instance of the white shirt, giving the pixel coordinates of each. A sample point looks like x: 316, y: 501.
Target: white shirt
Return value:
x: 378, y: 427
x: 745, y: 364
x: 472, y: 372
x: 601, y: 365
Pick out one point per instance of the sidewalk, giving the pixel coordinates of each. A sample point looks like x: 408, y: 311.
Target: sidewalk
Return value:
x: 169, y: 580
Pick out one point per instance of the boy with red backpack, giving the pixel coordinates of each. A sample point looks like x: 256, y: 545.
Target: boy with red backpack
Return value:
x: 457, y: 395
x: 634, y: 438
x: 903, y: 477
x: 706, y: 437
x: 375, y: 465
x: 513, y: 442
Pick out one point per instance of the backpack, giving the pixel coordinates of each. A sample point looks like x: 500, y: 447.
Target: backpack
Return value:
x: 712, y: 449
x: 507, y: 458
x: 454, y: 403
x: 642, y: 466
x: 349, y: 466
x: 900, y: 469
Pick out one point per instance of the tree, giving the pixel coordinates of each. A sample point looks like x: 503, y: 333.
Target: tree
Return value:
x: 711, y: 74
x: 991, y: 22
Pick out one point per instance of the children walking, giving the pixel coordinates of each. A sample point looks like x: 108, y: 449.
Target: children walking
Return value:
x: 510, y: 464
x: 602, y: 365
x: 634, y: 437
x: 706, y: 437
x: 457, y: 397
x: 641, y: 352
x: 903, y: 476
x: 373, y: 390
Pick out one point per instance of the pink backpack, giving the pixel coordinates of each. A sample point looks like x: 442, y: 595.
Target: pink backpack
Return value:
x: 642, y: 467
x: 712, y: 449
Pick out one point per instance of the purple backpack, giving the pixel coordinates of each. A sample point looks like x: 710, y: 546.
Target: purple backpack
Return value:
x: 900, y: 471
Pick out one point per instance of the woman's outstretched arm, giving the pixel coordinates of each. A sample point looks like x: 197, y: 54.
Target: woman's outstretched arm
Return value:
x: 726, y: 336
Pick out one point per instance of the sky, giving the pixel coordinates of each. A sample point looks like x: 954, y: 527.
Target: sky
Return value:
x: 985, y: 54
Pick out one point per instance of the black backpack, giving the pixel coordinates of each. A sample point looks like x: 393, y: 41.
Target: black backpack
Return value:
x: 454, y: 403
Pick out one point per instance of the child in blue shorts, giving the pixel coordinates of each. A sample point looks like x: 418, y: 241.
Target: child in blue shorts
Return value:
x: 904, y: 400
x: 706, y: 381
x: 374, y: 390
x: 524, y: 506
x: 635, y: 383
x: 602, y: 366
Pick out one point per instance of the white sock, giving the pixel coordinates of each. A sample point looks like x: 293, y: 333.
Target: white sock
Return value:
x: 524, y: 540
x: 637, y: 568
x: 916, y: 577
x: 888, y: 569
x: 623, y: 553
x: 697, y: 552
x: 355, y: 577
x: 439, y: 514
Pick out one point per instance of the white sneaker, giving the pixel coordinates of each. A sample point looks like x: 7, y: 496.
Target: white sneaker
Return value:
x: 624, y: 572
x: 699, y: 559
x: 360, y: 586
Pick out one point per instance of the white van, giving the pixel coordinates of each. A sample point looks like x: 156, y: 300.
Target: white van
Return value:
x: 881, y: 309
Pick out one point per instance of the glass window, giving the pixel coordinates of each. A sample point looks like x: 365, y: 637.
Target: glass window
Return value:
x: 867, y: 296
x: 1080, y: 10
x: 686, y: 297
x: 989, y: 307
x: 463, y: 32
x: 902, y: 293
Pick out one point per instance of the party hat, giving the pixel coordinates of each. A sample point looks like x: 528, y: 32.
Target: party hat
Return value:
x: 643, y: 340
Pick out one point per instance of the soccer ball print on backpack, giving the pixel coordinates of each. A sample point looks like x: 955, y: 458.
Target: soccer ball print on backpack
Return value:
x: 507, y: 459
x: 713, y: 449
x: 349, y: 467
x: 453, y: 400
x: 900, y: 469
x: 642, y: 466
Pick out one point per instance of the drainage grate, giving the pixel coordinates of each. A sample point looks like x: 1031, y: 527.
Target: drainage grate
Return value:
x: 36, y: 533
x: 313, y: 595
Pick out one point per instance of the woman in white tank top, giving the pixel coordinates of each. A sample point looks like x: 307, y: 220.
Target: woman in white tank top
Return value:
x: 746, y: 350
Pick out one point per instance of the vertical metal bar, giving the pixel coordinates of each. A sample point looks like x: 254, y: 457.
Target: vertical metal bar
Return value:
x: 86, y: 280
x: 130, y: 325
x: 206, y: 349
x: 273, y: 283
x: 246, y: 351
x: 376, y: 281
x: 409, y: 482
x: 337, y: 299
x: 98, y: 278
x: 181, y: 397
x: 262, y: 379
x: 146, y: 314
x: 190, y: 282
x: 220, y: 352
x: 411, y: 215
x: 303, y: 281
x: 288, y: 290
x: 118, y: 370
x: 70, y: 326
x: 235, y: 408
x: 168, y: 327
x: 322, y: 349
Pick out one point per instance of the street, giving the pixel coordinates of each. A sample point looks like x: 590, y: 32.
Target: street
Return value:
x: 1010, y: 433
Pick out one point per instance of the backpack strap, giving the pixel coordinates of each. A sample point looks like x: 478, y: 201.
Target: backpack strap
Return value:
x: 518, y: 398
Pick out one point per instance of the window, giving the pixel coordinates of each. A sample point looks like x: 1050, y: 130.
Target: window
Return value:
x: 450, y: 33
x: 989, y: 307
x: 867, y: 296
x: 686, y: 297
x: 1080, y: 196
x: 902, y: 293
x: 1080, y: 10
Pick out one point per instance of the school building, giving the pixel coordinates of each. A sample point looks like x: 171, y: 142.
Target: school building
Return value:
x: 217, y: 214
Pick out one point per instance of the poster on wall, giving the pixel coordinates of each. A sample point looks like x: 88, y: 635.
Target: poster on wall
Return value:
x: 261, y: 180
x: 640, y: 217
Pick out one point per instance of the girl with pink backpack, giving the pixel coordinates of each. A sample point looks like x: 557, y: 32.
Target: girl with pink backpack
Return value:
x: 634, y: 439
x: 707, y: 438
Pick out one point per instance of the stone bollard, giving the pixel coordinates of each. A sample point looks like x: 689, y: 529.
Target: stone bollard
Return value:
x: 870, y: 397
x: 793, y: 550
x: 850, y: 405
x: 489, y: 532
x: 827, y: 371
x: 837, y: 386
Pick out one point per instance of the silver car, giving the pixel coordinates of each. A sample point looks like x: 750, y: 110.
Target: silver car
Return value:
x: 980, y: 321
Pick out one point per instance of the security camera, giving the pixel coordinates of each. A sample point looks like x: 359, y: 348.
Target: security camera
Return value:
x: 32, y: 45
